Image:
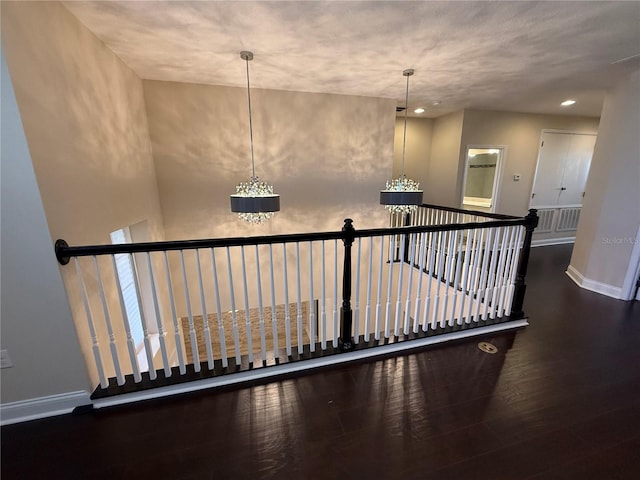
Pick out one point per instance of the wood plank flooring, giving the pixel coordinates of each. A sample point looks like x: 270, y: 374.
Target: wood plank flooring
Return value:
x: 560, y: 400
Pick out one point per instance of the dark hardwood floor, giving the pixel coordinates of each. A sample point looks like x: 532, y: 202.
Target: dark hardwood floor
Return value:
x: 560, y: 400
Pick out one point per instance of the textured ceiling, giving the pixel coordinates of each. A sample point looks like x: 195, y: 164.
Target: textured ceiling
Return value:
x: 519, y: 56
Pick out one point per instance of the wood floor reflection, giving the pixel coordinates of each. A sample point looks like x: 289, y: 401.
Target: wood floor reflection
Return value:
x: 560, y: 400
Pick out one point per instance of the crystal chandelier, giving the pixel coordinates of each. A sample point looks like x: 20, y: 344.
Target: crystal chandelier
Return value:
x: 254, y: 200
x: 402, y: 195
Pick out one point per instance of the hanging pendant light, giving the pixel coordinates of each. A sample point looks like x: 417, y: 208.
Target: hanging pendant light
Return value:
x: 254, y: 200
x: 402, y: 195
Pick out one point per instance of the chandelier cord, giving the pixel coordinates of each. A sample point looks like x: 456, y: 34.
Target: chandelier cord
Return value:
x: 253, y: 167
x: 404, y: 134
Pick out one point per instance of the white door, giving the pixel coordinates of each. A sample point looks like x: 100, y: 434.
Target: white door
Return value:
x: 563, y: 166
x: 576, y: 169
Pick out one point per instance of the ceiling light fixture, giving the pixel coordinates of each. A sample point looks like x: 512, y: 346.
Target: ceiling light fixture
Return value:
x: 402, y: 195
x: 436, y: 103
x: 568, y: 103
x: 419, y: 110
x: 254, y: 200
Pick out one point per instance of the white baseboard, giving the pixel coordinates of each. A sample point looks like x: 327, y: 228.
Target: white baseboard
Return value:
x: 42, y: 407
x: 543, y: 242
x: 303, y: 365
x: 593, y: 285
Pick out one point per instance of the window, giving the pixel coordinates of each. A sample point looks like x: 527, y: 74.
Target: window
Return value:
x: 124, y: 266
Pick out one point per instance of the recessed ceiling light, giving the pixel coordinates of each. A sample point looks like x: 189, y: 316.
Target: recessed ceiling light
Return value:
x: 436, y: 103
x: 419, y: 110
x: 567, y: 103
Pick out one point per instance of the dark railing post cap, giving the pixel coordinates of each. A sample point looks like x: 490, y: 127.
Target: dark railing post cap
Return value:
x: 60, y: 245
x: 532, y: 218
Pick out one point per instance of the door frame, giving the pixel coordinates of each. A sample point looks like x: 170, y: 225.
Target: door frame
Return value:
x: 497, y: 181
x: 633, y: 272
x: 553, y: 130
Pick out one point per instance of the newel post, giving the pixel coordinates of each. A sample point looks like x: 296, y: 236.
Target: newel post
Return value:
x: 346, y: 315
x: 531, y: 222
x: 407, y: 241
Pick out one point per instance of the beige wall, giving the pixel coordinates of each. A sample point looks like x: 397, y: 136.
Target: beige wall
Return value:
x: 418, y: 148
x: 611, y: 211
x: 85, y: 123
x: 442, y: 185
x: 520, y: 133
x: 37, y: 329
x: 328, y: 156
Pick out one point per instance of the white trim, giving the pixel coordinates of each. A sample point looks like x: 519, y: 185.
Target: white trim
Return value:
x: 42, y: 407
x: 303, y: 365
x: 572, y: 132
x: 545, y: 242
x: 593, y: 285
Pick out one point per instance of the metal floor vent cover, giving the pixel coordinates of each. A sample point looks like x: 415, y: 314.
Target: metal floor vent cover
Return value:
x: 487, y: 347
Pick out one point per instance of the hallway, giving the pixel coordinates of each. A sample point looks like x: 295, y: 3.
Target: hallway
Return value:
x: 560, y: 400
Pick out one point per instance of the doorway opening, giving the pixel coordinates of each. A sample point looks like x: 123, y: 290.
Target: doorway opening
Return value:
x: 135, y: 286
x: 480, y: 188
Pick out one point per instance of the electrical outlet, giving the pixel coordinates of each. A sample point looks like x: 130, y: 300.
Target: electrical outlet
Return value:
x: 5, y: 359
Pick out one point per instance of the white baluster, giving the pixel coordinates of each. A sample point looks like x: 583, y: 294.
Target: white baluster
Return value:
x: 263, y: 341
x: 335, y: 294
x: 205, y: 317
x: 484, y: 274
x: 147, y: 340
x: 504, y: 276
x: 442, y: 242
x: 299, y: 301
x: 449, y: 267
x: 379, y: 294
x: 312, y: 314
x: 367, y: 315
x: 430, y: 267
x: 514, y: 270
x: 174, y: 318
x: 107, y: 318
x: 234, y: 316
x: 478, y: 236
x: 499, y: 273
x: 323, y: 340
x: 156, y: 307
x: 407, y: 308
x: 274, y: 318
x: 356, y: 293
x: 247, y: 312
x: 95, y: 345
x: 192, y: 330
x: 422, y: 254
x: 491, y: 274
x: 127, y: 327
x: 221, y: 334
x: 466, y: 266
x: 287, y: 318
x: 456, y: 280
x: 392, y: 248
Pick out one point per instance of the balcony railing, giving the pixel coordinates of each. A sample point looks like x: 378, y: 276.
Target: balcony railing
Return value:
x: 222, y: 307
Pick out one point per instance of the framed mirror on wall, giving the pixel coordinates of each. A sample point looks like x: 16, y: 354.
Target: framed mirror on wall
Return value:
x: 482, y: 173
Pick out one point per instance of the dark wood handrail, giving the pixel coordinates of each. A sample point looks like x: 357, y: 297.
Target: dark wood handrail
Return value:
x: 498, y: 216
x: 64, y: 252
